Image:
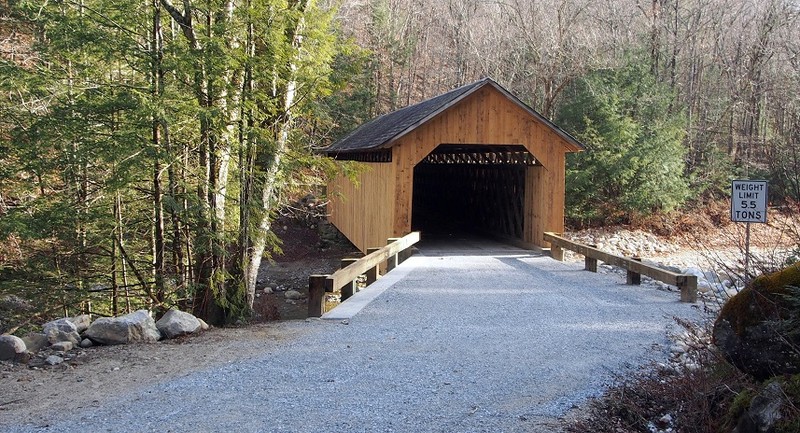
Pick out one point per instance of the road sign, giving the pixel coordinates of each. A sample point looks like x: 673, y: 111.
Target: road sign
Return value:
x: 749, y: 201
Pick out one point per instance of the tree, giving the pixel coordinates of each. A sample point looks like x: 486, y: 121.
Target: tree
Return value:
x: 634, y: 163
x: 141, y: 180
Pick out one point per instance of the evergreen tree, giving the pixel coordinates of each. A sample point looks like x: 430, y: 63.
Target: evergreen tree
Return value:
x: 152, y: 139
x: 634, y: 162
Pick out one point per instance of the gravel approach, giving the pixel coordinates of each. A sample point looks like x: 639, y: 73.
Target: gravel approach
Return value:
x: 455, y: 341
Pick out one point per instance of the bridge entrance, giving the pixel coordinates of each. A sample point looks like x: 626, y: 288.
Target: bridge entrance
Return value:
x: 471, y: 190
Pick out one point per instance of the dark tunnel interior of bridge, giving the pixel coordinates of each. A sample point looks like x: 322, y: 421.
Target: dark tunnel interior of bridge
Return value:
x: 471, y: 194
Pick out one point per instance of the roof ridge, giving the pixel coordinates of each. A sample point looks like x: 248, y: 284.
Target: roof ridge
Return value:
x: 385, y: 128
x: 381, y: 131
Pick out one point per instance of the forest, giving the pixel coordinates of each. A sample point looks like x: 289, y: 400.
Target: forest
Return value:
x: 147, y: 146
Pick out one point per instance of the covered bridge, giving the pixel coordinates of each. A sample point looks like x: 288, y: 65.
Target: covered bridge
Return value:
x: 475, y: 160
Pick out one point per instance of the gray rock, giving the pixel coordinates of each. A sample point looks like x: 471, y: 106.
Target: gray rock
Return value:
x: 56, y: 336
x: 86, y: 343
x: 175, y: 323
x: 64, y: 325
x: 81, y: 322
x: 35, y: 341
x: 136, y: 327
x: 62, y: 330
x: 755, y: 329
x: 293, y: 295
x: 760, y: 350
x: 62, y: 346
x: 764, y: 411
x: 11, y: 347
x: 54, y: 360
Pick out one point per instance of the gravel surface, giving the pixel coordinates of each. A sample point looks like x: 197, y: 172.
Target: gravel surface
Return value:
x: 501, y: 341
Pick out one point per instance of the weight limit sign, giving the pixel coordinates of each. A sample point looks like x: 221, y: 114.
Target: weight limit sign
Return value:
x: 749, y: 201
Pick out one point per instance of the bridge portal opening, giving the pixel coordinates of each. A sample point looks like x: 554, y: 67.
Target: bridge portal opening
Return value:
x: 472, y: 190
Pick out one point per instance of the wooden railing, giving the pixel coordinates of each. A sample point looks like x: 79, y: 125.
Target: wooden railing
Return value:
x: 686, y: 283
x: 345, y: 279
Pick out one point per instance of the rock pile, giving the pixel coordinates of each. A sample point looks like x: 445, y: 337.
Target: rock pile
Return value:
x: 716, y: 287
x: 625, y: 242
x: 61, y: 336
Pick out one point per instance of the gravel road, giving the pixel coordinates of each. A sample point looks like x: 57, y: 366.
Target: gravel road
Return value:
x: 500, y: 341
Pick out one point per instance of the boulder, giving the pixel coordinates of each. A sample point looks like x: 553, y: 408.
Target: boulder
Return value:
x: 175, y: 323
x: 62, y: 346
x: 136, y: 327
x: 81, y: 322
x: 61, y: 330
x: 11, y: 347
x: 54, y: 360
x: 764, y: 411
x: 756, y: 329
x: 293, y: 295
x: 35, y: 341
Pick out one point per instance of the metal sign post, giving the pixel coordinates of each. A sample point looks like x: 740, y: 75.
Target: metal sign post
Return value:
x: 748, y: 205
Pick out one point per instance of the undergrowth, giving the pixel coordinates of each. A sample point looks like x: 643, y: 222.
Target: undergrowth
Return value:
x: 665, y: 399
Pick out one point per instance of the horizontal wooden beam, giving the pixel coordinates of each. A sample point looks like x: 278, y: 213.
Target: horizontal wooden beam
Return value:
x: 687, y: 283
x: 344, y: 276
x: 319, y: 284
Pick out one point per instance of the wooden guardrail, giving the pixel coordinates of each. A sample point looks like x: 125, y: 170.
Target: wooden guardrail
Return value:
x: 345, y: 279
x: 686, y: 283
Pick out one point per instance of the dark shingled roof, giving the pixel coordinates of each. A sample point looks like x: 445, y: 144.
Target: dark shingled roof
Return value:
x: 382, y: 131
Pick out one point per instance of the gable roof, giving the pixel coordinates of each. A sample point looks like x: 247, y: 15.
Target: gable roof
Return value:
x: 381, y: 132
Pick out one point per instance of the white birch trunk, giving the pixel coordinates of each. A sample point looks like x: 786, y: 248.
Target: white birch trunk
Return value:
x: 269, y: 186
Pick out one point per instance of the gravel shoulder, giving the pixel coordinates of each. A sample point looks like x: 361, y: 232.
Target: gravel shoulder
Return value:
x: 500, y: 342
x: 98, y: 374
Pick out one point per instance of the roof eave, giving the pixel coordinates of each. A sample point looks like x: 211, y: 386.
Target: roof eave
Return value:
x: 390, y: 142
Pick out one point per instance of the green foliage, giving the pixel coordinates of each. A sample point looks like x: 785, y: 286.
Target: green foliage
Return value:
x: 784, y: 167
x: 634, y: 162
x: 790, y: 416
x: 738, y: 406
x: 790, y: 327
x: 125, y: 149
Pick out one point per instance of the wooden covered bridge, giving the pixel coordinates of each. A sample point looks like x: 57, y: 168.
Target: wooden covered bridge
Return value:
x: 475, y: 159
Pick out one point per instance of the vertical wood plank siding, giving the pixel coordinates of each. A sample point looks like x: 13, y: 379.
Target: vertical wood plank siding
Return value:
x: 363, y: 211
x: 381, y: 206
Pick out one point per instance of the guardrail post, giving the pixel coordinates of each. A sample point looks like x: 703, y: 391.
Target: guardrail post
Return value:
x: 635, y: 278
x: 316, y: 295
x: 350, y: 288
x: 688, y: 286
x: 392, y: 262
x: 590, y: 264
x: 556, y: 252
x: 374, y: 272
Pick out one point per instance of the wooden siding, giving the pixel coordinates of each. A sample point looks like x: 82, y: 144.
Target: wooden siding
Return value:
x: 363, y: 212
x: 544, y: 203
x: 486, y: 117
x: 381, y: 207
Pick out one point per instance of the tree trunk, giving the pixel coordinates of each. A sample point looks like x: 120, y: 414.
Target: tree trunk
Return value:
x: 157, y: 85
x: 269, y: 185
